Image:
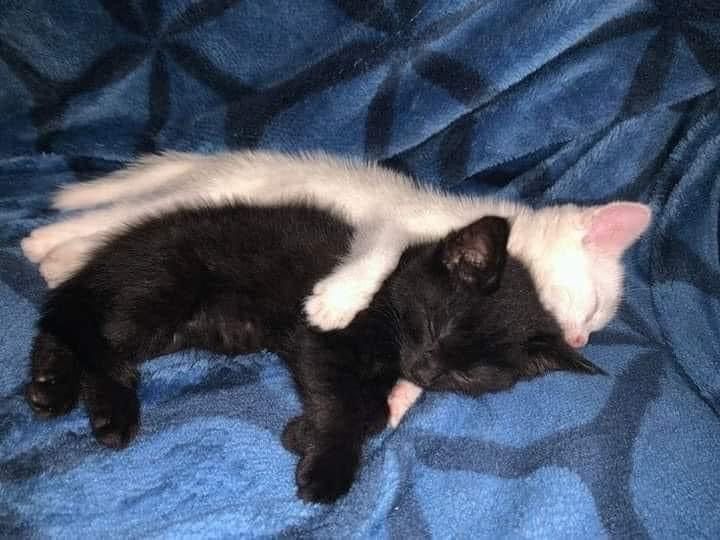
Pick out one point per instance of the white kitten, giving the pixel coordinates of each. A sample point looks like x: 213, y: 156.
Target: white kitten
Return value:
x: 574, y: 253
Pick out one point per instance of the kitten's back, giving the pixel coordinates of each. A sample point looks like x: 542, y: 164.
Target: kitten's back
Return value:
x: 213, y: 263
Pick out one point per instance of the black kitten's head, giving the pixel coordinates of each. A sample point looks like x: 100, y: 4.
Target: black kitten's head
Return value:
x: 468, y: 317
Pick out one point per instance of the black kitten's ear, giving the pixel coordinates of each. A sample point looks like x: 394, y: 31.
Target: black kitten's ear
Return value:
x: 551, y: 353
x: 476, y: 254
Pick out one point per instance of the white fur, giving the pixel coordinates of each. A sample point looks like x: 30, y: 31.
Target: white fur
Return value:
x: 580, y: 285
x: 139, y: 179
x: 67, y: 258
x: 403, y: 395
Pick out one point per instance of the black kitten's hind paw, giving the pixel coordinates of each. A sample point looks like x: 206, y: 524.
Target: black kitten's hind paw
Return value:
x: 325, y: 477
x: 114, y: 414
x: 54, y: 388
x: 49, y: 396
x: 296, y: 435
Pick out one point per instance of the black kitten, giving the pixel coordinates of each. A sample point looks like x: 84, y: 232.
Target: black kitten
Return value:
x: 455, y: 315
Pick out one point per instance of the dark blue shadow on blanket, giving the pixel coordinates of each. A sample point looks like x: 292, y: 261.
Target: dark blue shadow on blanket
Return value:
x: 543, y: 101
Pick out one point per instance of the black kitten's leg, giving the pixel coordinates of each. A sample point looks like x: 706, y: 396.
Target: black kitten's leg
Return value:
x: 131, y: 334
x: 330, y: 451
x: 111, y: 379
x: 330, y: 457
x: 55, y: 377
x: 113, y: 406
x: 342, y: 408
x: 299, y: 432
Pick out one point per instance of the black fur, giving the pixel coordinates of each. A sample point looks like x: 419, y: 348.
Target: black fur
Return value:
x: 455, y: 315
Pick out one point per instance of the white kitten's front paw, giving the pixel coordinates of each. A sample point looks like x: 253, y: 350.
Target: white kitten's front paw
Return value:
x: 335, y: 301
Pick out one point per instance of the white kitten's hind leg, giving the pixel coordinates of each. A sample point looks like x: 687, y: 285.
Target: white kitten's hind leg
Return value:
x: 67, y: 258
x: 403, y: 395
x: 336, y: 299
x: 141, y: 178
x: 43, y: 240
x: 37, y: 244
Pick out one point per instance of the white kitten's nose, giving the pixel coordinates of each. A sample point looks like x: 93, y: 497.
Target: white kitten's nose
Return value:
x: 576, y: 340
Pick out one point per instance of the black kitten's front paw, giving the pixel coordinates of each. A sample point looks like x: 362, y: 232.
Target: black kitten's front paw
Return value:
x: 114, y: 415
x: 296, y: 435
x: 326, y: 476
x: 49, y: 395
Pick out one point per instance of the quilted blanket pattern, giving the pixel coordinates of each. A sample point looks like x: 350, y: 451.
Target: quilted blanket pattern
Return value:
x: 547, y: 101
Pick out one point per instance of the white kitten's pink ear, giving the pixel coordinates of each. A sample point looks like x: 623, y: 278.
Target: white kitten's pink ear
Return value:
x: 614, y: 227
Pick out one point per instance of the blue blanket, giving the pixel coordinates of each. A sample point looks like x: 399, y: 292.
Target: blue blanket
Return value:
x: 543, y: 101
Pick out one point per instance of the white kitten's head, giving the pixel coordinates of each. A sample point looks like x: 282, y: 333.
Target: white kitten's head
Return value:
x: 574, y: 254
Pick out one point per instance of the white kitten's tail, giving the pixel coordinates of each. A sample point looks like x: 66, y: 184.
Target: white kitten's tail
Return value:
x: 145, y: 176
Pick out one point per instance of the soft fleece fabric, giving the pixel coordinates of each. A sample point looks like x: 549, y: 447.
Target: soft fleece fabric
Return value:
x: 550, y: 101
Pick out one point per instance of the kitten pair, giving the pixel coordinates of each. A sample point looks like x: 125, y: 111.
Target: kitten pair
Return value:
x: 457, y: 314
x: 573, y: 253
